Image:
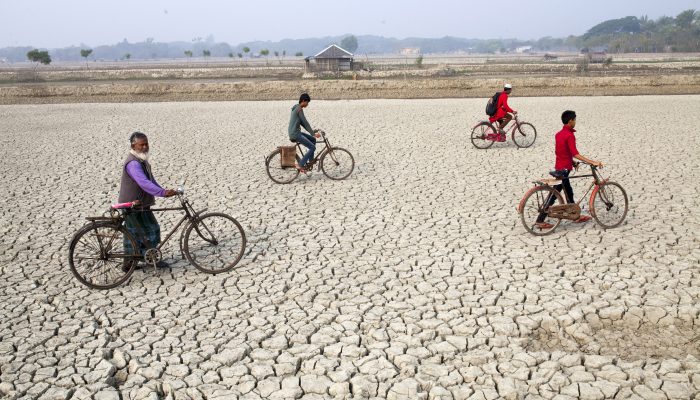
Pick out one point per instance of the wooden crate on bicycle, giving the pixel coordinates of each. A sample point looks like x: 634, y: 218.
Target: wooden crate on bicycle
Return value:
x: 288, y: 156
x: 565, y: 211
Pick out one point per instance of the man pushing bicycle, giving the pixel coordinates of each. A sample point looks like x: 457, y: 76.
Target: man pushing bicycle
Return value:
x: 565, y: 151
x: 138, y: 184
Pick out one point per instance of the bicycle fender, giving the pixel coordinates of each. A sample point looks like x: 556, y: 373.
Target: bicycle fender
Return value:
x: 522, y: 201
x: 481, y: 122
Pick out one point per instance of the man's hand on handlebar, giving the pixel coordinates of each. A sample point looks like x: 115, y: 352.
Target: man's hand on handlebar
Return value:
x: 170, y: 192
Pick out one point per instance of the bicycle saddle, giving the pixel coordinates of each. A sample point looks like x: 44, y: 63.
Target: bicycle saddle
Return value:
x: 558, y: 173
x: 293, y: 140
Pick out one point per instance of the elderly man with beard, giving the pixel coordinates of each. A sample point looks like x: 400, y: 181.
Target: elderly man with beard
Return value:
x: 138, y: 183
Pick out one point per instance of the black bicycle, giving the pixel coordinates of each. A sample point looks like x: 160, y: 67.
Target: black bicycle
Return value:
x: 98, y: 255
x: 336, y: 162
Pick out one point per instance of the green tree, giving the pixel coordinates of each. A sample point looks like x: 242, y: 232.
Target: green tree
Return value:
x: 240, y: 55
x: 127, y: 56
x: 230, y: 55
x: 85, y: 53
x: 349, y: 43
x: 246, y: 50
x: 188, y: 54
x: 419, y: 61
x: 206, y: 53
x: 265, y: 52
x: 299, y: 54
x: 685, y: 19
x: 39, y: 57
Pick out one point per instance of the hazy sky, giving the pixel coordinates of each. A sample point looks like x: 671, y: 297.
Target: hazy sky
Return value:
x: 54, y: 23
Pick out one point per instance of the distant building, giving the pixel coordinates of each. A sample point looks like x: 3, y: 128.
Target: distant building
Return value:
x: 523, y: 49
x: 332, y: 58
x: 410, y: 51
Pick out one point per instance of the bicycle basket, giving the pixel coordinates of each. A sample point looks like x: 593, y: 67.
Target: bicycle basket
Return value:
x: 565, y: 211
x: 288, y: 155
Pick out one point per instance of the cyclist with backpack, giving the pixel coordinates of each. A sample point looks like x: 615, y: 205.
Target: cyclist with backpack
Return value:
x: 499, y: 110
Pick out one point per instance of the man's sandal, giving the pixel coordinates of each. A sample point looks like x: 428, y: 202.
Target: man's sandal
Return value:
x: 583, y: 219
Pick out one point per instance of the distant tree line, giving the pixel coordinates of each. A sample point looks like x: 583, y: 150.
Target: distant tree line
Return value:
x: 630, y: 34
x: 640, y: 35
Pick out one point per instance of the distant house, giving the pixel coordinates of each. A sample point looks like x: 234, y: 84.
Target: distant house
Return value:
x: 410, y: 51
x: 523, y: 49
x: 332, y: 58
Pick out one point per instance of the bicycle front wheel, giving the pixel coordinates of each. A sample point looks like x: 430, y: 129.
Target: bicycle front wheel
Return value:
x: 337, y: 163
x: 483, y: 135
x: 276, y: 171
x: 214, y: 243
x: 534, y: 209
x: 525, y: 135
x: 609, y: 204
x: 98, y: 255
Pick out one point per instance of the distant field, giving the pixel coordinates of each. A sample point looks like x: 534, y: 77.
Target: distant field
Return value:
x: 432, y: 76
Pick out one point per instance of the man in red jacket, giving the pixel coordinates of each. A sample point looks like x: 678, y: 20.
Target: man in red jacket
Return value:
x: 502, y: 112
x: 565, y: 151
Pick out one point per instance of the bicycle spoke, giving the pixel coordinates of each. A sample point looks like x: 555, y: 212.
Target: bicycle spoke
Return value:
x: 215, y: 243
x: 97, y: 256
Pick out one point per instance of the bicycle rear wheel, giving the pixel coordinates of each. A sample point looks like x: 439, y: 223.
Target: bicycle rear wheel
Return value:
x: 525, y: 135
x: 275, y: 170
x: 98, y: 258
x: 609, y: 204
x: 214, y: 243
x: 337, y: 163
x: 534, y: 205
x: 483, y: 135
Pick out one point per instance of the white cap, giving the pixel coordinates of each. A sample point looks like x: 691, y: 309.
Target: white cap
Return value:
x: 507, y: 86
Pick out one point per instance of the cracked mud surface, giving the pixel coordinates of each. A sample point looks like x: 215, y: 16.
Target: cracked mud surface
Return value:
x: 411, y: 279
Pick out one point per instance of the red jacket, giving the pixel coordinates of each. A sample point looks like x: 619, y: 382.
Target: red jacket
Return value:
x: 565, y: 148
x: 501, y: 107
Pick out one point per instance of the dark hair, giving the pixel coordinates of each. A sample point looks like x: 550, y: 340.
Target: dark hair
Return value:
x: 567, y: 116
x: 304, y: 97
x: 136, y: 136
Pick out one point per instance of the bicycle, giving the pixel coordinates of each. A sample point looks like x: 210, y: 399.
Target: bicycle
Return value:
x: 98, y: 255
x: 608, y: 204
x: 335, y: 162
x: 484, y: 134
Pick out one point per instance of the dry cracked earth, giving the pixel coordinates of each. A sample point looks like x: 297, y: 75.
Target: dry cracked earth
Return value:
x: 411, y: 279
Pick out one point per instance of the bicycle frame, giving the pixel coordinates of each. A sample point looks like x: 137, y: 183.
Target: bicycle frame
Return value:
x: 512, y: 125
x: 190, y: 216
x: 596, y: 182
x: 319, y: 154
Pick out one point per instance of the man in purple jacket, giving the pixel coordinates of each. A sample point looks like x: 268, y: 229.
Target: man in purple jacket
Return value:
x: 138, y: 183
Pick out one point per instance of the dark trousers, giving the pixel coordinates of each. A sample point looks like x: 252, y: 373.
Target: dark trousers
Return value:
x: 568, y: 192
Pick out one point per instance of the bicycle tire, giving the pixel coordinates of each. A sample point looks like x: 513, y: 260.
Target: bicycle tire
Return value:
x: 81, y: 243
x: 338, y: 156
x: 279, y: 174
x: 532, y: 204
x: 480, y: 133
x: 207, y: 233
x: 606, y: 198
x: 524, y: 130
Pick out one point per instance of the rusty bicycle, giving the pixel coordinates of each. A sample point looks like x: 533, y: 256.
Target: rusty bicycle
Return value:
x: 542, y: 208
x: 335, y: 162
x: 98, y: 255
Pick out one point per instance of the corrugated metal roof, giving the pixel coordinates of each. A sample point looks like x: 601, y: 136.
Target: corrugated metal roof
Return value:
x: 333, y: 51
